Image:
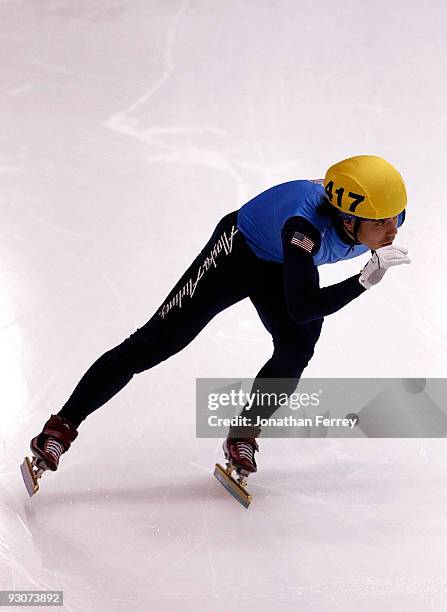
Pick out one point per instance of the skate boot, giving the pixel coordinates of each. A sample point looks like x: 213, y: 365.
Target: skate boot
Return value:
x: 240, y: 454
x: 240, y: 457
x: 55, y: 439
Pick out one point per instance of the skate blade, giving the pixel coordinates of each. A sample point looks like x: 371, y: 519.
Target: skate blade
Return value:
x: 29, y: 477
x: 236, y: 490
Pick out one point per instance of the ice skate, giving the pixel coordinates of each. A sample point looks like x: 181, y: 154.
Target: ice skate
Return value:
x: 240, y: 457
x: 54, y: 440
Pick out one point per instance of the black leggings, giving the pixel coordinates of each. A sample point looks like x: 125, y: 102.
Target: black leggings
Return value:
x: 225, y: 272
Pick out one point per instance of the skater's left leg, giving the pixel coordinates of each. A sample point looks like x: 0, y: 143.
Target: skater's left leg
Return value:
x: 293, y: 346
x: 280, y: 375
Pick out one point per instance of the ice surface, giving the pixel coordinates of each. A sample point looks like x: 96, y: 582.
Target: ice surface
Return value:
x: 128, y: 130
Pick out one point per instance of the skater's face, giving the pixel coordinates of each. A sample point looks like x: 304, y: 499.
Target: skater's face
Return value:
x: 374, y: 234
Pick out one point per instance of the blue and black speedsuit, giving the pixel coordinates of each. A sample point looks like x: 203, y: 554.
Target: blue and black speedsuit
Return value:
x: 268, y: 251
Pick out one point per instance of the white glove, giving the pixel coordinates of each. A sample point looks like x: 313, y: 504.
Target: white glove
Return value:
x: 382, y: 259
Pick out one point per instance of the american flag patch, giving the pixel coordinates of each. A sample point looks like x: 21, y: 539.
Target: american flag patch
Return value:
x: 302, y: 241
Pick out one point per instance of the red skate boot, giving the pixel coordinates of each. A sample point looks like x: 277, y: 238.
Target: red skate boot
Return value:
x: 56, y: 438
x: 240, y: 453
x: 240, y: 456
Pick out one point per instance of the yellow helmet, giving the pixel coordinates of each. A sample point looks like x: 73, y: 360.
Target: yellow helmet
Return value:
x: 366, y: 186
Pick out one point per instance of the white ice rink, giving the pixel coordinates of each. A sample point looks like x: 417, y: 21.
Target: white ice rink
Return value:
x: 128, y: 129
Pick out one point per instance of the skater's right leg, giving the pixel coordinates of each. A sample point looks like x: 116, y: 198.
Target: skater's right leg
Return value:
x: 216, y: 279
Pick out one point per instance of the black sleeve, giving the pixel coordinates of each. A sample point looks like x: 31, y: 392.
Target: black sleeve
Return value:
x: 305, y: 300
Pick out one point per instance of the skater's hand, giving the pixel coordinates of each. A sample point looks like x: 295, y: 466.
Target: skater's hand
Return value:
x: 382, y: 259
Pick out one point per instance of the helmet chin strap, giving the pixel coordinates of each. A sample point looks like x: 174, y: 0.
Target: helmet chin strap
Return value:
x: 353, y: 234
x: 355, y: 229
